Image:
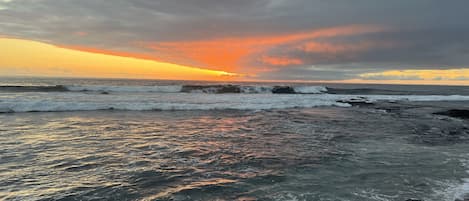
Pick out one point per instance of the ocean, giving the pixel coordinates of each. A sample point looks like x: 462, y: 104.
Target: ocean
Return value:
x: 110, y: 139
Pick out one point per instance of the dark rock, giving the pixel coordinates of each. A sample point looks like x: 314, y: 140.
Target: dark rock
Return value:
x: 463, y: 114
x: 413, y: 199
x: 104, y: 92
x: 283, y: 90
x: 219, y: 89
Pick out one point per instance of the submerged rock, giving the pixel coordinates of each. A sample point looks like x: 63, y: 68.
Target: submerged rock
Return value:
x: 283, y: 90
x: 463, y: 114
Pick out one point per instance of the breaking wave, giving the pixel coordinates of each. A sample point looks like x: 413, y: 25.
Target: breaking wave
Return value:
x: 209, y: 89
x: 56, y: 102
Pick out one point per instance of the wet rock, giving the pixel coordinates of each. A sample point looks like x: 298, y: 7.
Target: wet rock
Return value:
x: 463, y: 114
x: 283, y: 90
x: 360, y: 101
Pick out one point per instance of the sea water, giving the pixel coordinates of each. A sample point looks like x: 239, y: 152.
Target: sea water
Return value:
x: 89, y: 139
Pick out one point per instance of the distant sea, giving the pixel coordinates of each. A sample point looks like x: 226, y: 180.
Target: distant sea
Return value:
x: 111, y: 139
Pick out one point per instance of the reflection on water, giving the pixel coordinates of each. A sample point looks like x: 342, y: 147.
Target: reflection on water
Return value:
x: 309, y: 154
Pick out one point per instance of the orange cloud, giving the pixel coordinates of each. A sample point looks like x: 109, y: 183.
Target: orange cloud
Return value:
x: 230, y: 54
x: 280, y: 61
x: 317, y: 47
x: 238, y: 54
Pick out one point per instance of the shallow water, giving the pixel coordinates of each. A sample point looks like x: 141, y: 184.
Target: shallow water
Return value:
x: 295, y: 154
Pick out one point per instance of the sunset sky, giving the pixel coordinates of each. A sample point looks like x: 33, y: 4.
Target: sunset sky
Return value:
x: 376, y: 41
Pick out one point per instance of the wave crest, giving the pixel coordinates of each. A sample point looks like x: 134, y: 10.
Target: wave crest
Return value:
x: 147, y: 89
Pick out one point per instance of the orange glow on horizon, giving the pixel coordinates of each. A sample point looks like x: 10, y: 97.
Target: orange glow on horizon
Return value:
x: 448, y: 74
x: 405, y: 82
x: 30, y: 58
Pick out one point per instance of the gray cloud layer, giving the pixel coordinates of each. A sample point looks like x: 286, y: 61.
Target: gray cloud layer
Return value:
x: 430, y: 34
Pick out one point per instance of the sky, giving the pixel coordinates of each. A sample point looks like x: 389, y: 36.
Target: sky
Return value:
x: 376, y: 41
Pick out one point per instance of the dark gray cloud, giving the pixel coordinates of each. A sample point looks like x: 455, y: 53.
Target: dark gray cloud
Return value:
x: 421, y: 48
x: 422, y: 34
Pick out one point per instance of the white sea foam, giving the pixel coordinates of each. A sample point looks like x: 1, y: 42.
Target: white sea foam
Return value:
x: 57, y: 101
x: 454, y: 190
x: 256, y: 89
x: 310, y: 89
x: 461, y: 191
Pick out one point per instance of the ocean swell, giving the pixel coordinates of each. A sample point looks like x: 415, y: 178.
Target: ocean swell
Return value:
x: 208, y: 89
x: 179, y: 101
x: 52, y: 102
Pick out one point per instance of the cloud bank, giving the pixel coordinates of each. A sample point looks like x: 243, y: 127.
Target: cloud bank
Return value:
x: 273, y: 39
